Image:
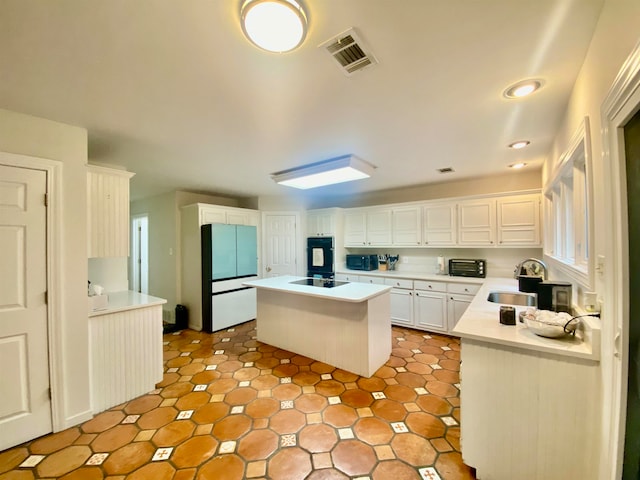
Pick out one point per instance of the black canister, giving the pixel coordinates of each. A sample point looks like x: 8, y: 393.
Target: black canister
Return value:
x: 528, y: 283
x: 507, y: 315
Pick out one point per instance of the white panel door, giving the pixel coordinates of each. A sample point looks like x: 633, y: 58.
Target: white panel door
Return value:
x: 440, y: 224
x: 25, y: 406
x: 406, y: 227
x: 430, y: 310
x: 379, y: 227
x: 280, y: 245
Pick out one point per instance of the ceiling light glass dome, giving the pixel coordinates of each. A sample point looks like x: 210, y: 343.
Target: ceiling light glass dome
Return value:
x: 274, y: 25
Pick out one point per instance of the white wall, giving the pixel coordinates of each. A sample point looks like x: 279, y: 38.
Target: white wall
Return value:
x: 616, y: 34
x: 26, y: 135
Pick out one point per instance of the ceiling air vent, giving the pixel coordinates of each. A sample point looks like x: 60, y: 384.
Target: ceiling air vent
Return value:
x: 446, y: 170
x: 348, y: 50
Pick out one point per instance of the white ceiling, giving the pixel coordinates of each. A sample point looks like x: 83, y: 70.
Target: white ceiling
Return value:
x: 172, y: 90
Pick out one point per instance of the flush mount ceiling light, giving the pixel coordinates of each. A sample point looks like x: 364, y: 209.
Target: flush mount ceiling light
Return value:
x: 274, y: 25
x: 519, y: 144
x: 328, y: 172
x: 518, y: 165
x: 522, y: 89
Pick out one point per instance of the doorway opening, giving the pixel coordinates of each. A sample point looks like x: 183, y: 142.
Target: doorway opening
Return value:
x: 140, y: 253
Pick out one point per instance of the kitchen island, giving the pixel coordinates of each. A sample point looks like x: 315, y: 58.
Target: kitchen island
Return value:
x: 529, y: 404
x: 347, y: 326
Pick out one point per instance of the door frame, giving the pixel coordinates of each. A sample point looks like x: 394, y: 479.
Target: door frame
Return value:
x: 619, y: 106
x: 136, y: 253
x: 54, y: 171
x: 299, y: 239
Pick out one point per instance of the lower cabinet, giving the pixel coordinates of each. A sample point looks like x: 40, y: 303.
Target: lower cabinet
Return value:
x: 402, y: 307
x: 430, y: 310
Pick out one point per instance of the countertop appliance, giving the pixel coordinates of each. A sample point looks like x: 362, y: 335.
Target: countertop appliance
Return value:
x: 229, y: 257
x: 465, y: 267
x: 362, y: 262
x: 319, y: 282
x: 320, y: 257
x: 555, y: 296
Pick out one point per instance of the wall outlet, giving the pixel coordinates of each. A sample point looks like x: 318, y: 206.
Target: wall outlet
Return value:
x: 404, y: 259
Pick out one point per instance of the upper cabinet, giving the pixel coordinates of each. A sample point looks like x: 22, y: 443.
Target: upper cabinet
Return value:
x: 367, y: 227
x: 518, y: 220
x: 439, y: 224
x: 107, y: 212
x: 477, y: 222
x: 507, y: 220
x: 322, y: 222
x: 229, y: 215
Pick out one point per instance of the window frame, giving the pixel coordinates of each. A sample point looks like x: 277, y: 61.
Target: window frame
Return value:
x: 568, y: 240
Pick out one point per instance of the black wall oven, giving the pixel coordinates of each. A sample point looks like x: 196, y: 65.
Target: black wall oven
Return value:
x: 320, y: 257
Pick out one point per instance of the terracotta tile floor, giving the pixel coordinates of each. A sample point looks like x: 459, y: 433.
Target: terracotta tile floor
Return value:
x: 230, y: 407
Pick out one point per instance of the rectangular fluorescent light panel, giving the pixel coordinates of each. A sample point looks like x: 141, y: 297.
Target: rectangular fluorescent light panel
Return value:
x: 328, y: 172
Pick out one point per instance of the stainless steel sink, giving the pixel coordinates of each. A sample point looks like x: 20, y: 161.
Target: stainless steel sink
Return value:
x: 513, y: 298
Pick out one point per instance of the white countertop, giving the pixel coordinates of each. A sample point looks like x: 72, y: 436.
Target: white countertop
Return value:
x: 351, y: 292
x: 481, y: 322
x: 127, y: 300
x: 432, y: 277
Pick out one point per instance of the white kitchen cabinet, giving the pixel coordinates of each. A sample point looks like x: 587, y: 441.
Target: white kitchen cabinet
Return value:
x: 439, y: 224
x: 192, y: 217
x: 459, y: 296
x: 322, y: 223
x: 347, y: 277
x: 107, y: 212
x: 477, y: 222
x: 401, y: 301
x: 518, y: 221
x: 371, y: 279
x: 430, y: 310
x: 406, y: 226
x: 367, y: 227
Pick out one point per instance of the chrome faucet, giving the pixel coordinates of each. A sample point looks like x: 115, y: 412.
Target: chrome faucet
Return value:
x: 532, y: 260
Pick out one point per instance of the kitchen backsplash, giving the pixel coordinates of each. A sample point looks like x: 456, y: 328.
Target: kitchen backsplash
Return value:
x: 111, y: 273
x: 500, y: 262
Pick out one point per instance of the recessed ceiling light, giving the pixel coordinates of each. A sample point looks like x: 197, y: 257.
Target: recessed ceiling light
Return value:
x: 274, y: 25
x: 519, y: 144
x: 518, y: 165
x: 522, y: 89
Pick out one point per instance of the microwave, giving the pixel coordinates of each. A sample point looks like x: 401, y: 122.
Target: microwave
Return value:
x: 362, y: 262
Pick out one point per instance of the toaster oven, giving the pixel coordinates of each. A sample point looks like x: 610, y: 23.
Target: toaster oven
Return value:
x: 461, y: 267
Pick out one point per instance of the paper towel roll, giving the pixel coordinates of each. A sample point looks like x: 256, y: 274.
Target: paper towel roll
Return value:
x: 441, y: 264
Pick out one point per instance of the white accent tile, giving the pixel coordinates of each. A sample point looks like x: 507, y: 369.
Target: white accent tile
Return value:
x: 285, y: 380
x: 175, y: 333
x: 248, y: 364
x: 254, y: 337
x: 435, y: 366
x: 231, y: 330
x: 399, y: 427
x: 400, y: 369
x: 416, y: 350
x: 172, y: 370
x: 166, y: 343
x: 429, y: 473
x: 226, y: 339
x: 426, y: 336
x: 211, y: 367
x: 185, y: 354
x: 326, y: 376
x: 162, y: 454
x: 244, y: 383
x: 445, y: 348
x: 227, y: 447
x: 450, y: 421
x: 457, y: 385
x: 195, y: 341
x: 421, y: 391
x: 379, y: 395
x: 362, y: 478
x: 252, y: 349
x: 334, y: 400
x: 184, y: 415
x: 400, y: 339
x: 285, y: 360
x: 97, y: 459
x: 345, y: 433
x: 286, y: 404
x: 237, y: 409
x: 155, y: 392
x: 288, y: 440
x: 130, y: 419
x: 218, y: 352
x: 200, y: 388
x: 32, y: 461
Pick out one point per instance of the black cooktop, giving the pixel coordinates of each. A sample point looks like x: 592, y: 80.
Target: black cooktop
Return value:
x: 319, y: 282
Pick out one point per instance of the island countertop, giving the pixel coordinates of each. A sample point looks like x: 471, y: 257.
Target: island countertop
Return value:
x: 350, y: 292
x: 127, y: 300
x: 481, y: 322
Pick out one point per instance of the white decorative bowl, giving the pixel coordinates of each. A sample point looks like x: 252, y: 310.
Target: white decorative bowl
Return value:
x: 545, y: 324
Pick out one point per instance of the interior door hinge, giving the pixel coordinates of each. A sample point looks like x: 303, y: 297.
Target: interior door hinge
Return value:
x: 49, y: 392
x: 46, y: 199
x: 46, y: 297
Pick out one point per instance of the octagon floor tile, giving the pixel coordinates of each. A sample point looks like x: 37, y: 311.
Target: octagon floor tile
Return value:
x: 287, y: 421
x: 425, y: 425
x: 258, y: 445
x: 103, y: 421
x: 153, y: 470
x: 128, y: 458
x: 289, y: 464
x: 318, y: 438
x: 232, y: 427
x: 373, y: 431
x: 55, y: 442
x: 63, y: 461
x: 173, y: 433
x: 354, y: 457
x: 194, y: 451
x: 311, y: 403
x: 340, y: 416
x: 413, y: 449
x: 394, y: 469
